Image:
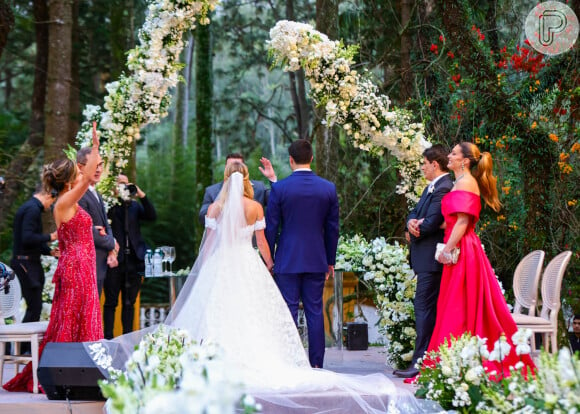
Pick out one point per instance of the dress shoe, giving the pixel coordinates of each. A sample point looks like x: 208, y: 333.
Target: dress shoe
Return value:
x: 412, y: 380
x: 407, y: 373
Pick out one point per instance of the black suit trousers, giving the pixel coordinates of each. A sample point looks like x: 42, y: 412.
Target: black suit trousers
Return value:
x: 128, y: 285
x: 426, y: 295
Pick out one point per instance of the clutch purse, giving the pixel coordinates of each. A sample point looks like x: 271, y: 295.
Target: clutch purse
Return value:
x: 454, y: 253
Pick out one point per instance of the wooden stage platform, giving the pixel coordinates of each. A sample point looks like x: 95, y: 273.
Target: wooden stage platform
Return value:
x: 353, y: 362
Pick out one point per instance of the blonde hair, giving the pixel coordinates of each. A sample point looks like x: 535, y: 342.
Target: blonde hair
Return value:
x: 481, y: 165
x: 230, y: 169
x: 57, y: 174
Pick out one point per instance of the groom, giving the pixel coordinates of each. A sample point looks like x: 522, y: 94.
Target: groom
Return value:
x: 424, y: 225
x: 302, y: 222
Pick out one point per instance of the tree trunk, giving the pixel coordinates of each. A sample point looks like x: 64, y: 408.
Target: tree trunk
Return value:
x: 122, y: 39
x: 57, y: 110
x: 6, y: 23
x: 182, y: 99
x: 326, y: 138
x: 204, y: 108
x: 75, y: 99
x: 298, y: 90
x: 31, y: 147
x: 405, y: 54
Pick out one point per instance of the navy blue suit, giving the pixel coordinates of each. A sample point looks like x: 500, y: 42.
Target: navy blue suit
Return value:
x: 302, y: 232
x: 423, y: 261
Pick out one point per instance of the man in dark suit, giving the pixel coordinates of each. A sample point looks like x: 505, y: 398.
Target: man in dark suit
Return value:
x: 574, y: 336
x: 30, y: 242
x: 302, y: 223
x: 424, y: 226
x: 126, y: 278
x: 106, y: 247
x: 261, y: 193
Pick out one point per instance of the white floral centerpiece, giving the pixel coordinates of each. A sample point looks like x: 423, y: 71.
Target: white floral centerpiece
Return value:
x: 171, y: 373
x: 393, y: 281
x: 352, y: 100
x: 141, y: 97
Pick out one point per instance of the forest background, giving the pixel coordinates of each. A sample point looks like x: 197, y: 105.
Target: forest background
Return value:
x: 462, y: 67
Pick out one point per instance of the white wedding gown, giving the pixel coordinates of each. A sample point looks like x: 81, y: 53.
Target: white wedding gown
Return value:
x: 230, y: 298
x: 236, y: 304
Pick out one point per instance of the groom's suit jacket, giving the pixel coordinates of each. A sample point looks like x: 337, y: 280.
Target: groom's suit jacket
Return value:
x: 429, y: 208
x: 103, y: 244
x: 302, y: 223
x: 211, y: 193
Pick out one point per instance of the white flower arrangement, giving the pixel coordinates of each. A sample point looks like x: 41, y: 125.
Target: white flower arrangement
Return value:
x: 49, y: 264
x: 350, y: 253
x: 393, y: 281
x: 454, y: 376
x: 352, y: 100
x: 387, y: 274
x: 171, y: 373
x: 141, y: 97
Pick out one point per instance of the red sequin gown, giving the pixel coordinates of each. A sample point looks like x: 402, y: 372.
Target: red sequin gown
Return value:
x: 76, y: 311
x: 470, y: 299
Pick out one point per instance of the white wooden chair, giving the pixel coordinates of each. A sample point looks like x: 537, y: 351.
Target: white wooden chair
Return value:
x: 526, y: 280
x: 547, y: 322
x: 16, y: 333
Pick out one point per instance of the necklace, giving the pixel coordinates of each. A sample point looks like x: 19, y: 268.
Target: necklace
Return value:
x: 459, y: 178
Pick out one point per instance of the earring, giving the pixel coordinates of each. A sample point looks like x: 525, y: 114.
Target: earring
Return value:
x: 69, y: 186
x: 462, y: 166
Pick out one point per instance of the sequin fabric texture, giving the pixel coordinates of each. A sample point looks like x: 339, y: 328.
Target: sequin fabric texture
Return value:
x: 76, y: 311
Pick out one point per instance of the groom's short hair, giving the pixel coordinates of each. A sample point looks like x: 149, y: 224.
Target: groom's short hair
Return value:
x: 439, y: 154
x: 301, y: 151
x: 235, y: 156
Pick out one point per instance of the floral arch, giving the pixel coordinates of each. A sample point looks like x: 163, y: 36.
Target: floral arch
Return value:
x: 350, y: 100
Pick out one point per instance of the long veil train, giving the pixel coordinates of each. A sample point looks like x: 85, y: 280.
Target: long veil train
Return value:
x: 231, y: 299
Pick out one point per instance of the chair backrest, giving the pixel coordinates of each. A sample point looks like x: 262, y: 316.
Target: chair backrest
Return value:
x: 10, y: 299
x: 526, y: 280
x: 551, y: 286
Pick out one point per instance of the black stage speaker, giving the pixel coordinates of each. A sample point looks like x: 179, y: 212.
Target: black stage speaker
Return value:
x: 66, y: 371
x: 357, y: 336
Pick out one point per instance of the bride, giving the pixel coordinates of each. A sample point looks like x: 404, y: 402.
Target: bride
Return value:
x: 230, y: 298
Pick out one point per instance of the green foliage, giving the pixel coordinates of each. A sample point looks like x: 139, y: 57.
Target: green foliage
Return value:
x: 174, y: 201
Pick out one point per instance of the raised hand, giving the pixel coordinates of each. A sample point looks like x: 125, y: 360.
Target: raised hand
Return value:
x: 95, y: 135
x: 267, y: 170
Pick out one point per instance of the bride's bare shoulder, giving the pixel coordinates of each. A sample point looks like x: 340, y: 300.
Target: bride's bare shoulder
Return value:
x: 213, y: 210
x: 254, y: 210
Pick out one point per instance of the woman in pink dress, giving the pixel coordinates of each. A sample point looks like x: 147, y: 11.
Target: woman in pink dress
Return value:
x: 470, y: 298
x: 76, y: 312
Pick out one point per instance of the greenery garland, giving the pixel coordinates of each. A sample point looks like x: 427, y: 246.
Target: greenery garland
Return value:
x: 352, y: 100
x: 141, y: 97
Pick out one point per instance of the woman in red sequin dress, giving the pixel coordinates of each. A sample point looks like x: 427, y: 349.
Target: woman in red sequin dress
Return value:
x: 76, y: 312
x: 471, y: 299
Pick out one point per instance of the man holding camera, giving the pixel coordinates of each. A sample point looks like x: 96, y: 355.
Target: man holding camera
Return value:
x: 126, y: 278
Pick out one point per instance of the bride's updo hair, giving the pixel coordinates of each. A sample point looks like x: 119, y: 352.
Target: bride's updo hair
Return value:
x: 57, y: 174
x: 481, y: 165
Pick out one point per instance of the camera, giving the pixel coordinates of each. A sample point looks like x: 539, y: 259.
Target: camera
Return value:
x: 131, y: 189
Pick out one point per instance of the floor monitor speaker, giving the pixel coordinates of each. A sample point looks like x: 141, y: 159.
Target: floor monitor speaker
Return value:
x: 66, y: 371
x: 357, y: 336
